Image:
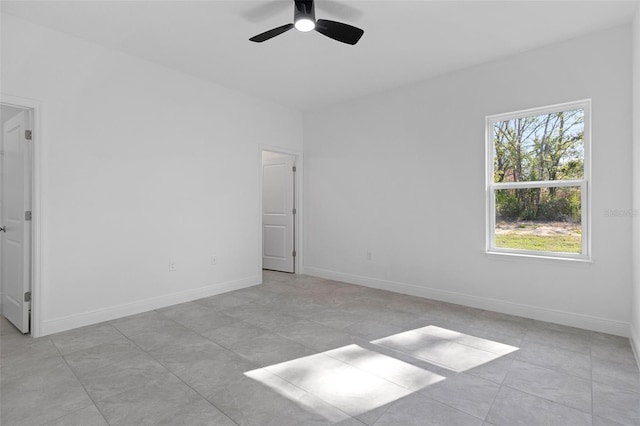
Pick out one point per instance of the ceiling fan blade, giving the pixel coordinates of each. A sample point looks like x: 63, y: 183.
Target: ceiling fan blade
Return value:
x: 271, y: 33
x: 339, y: 31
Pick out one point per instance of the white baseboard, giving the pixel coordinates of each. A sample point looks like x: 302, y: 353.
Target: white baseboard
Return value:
x: 635, y: 343
x: 57, y: 325
x: 543, y: 314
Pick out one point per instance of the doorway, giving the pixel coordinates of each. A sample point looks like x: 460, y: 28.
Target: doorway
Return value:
x: 279, y: 213
x: 16, y: 171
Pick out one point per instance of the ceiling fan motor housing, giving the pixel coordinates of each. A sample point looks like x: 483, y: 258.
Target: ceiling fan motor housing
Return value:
x: 304, y: 9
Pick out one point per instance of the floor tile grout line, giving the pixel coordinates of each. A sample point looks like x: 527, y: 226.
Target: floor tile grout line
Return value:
x: 179, y: 378
x: 85, y: 389
x: 609, y: 384
x: 388, y: 406
x: 454, y: 408
x: 418, y: 358
x: 62, y: 357
x: 547, y: 345
x: 73, y: 412
x: 373, y: 374
x: 501, y: 384
x: 466, y: 344
x: 269, y: 332
x: 110, y: 363
x: 549, y: 400
x: 222, y: 345
x: 617, y: 388
x: 622, y: 364
x: 555, y: 370
x: 308, y: 391
x: 55, y: 346
x: 239, y: 320
x: 96, y: 345
x: 473, y: 377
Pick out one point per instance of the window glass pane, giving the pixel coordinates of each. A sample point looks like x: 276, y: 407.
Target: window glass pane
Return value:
x: 540, y: 147
x: 539, y: 219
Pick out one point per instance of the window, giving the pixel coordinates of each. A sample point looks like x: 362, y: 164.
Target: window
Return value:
x: 538, y: 181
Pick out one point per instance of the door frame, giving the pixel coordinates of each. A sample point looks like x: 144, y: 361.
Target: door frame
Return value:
x: 298, y: 203
x: 36, y: 206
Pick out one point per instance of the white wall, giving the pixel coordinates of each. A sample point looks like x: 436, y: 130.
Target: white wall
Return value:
x: 141, y: 166
x: 401, y: 175
x: 635, y: 320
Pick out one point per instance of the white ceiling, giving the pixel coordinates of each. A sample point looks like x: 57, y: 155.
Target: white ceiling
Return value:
x: 404, y: 41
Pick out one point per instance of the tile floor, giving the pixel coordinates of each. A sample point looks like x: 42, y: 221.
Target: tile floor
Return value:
x: 300, y: 350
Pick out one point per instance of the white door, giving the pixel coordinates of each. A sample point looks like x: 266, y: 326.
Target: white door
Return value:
x: 16, y: 237
x: 277, y: 213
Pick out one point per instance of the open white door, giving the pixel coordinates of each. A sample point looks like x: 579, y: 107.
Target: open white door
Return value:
x: 16, y: 238
x: 278, y: 213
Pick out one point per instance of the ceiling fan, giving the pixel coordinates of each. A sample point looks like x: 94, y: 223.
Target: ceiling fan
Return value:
x: 304, y: 19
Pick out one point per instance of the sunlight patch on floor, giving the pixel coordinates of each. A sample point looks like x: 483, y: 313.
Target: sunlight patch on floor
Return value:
x: 310, y: 402
x: 386, y: 367
x: 466, y: 339
x: 344, y: 386
x: 354, y: 380
x: 446, y: 348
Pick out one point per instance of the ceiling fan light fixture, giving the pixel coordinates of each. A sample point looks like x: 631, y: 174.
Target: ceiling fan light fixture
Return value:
x: 305, y: 25
x: 304, y: 18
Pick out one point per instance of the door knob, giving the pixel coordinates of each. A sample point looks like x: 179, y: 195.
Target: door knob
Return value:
x: 3, y: 229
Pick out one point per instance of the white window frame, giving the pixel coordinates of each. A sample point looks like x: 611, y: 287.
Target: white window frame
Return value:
x: 584, y: 183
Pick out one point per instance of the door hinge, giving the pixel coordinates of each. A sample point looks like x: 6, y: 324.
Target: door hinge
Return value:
x: 28, y: 135
x: 294, y: 211
x: 294, y: 169
x: 294, y: 253
x: 27, y: 215
x: 27, y: 296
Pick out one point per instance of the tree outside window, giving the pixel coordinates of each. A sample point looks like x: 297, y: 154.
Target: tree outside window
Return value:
x: 537, y: 181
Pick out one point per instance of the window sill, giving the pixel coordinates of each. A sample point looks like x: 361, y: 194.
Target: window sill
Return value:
x: 527, y: 257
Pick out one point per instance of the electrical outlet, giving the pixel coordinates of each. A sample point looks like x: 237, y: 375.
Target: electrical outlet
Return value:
x: 214, y: 260
x: 369, y: 255
x: 172, y: 266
